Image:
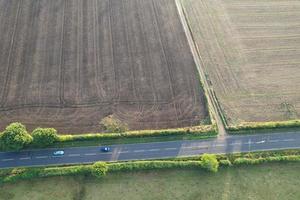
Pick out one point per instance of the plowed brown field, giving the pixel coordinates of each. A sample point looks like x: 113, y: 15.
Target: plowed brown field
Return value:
x: 250, y: 51
x: 68, y: 63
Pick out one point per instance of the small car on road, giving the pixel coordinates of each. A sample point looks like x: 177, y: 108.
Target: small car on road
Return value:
x: 58, y: 153
x: 105, y: 149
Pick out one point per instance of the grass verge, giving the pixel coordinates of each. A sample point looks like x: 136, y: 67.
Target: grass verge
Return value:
x: 274, y: 181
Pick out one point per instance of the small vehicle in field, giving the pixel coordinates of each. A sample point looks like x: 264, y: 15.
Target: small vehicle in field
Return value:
x: 58, y: 153
x: 105, y: 149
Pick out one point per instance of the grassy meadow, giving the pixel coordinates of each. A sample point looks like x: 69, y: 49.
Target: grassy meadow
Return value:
x: 268, y: 182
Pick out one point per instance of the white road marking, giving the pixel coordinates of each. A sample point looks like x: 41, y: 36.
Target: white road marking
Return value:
x: 25, y: 158
x: 137, y: 151
x: 273, y: 141
x: 41, y: 157
x: 196, y: 147
x: 107, y: 153
x: 73, y: 155
x: 8, y: 159
x: 289, y: 140
x: 154, y: 150
x: 90, y: 154
x: 232, y: 144
x: 187, y: 147
x: 170, y: 148
x: 261, y: 142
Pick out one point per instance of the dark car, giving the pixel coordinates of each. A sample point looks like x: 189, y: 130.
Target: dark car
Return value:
x: 105, y: 149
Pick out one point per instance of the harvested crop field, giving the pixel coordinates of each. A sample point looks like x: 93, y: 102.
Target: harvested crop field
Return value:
x: 250, y: 52
x: 67, y: 64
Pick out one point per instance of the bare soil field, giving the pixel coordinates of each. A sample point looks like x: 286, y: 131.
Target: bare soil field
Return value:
x: 68, y: 63
x: 250, y: 51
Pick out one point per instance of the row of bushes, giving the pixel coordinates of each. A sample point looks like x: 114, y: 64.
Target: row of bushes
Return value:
x: 15, y: 136
x: 99, y: 169
x: 208, y: 162
x: 254, y: 161
x: 247, y: 155
x: 205, y: 130
x: 252, y: 126
x: 146, y: 165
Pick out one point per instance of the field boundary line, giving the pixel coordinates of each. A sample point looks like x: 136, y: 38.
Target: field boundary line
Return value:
x: 212, y: 104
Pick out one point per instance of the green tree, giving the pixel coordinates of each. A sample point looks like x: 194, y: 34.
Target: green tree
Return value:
x: 15, y: 137
x: 113, y: 125
x: 43, y: 137
x: 210, y: 162
x: 99, y: 169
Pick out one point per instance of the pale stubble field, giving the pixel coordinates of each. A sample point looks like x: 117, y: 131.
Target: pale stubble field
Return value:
x: 250, y: 52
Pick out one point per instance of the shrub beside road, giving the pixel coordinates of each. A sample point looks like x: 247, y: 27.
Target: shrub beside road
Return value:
x: 15, y: 137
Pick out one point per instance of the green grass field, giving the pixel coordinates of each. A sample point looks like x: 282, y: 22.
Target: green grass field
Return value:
x: 268, y: 182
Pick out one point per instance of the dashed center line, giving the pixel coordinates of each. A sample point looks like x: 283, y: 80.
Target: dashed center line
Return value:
x: 41, y: 157
x: 154, y: 150
x: 137, y: 151
x: 187, y: 147
x: 73, y: 155
x: 195, y: 147
x: 90, y: 154
x: 289, y: 140
x: 8, y: 159
x: 25, y: 158
x: 235, y: 144
x: 170, y: 148
x: 273, y: 141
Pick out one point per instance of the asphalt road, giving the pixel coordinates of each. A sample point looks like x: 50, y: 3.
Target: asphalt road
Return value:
x: 144, y: 151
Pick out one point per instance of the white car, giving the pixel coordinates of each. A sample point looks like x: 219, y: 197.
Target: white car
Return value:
x: 58, y: 153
